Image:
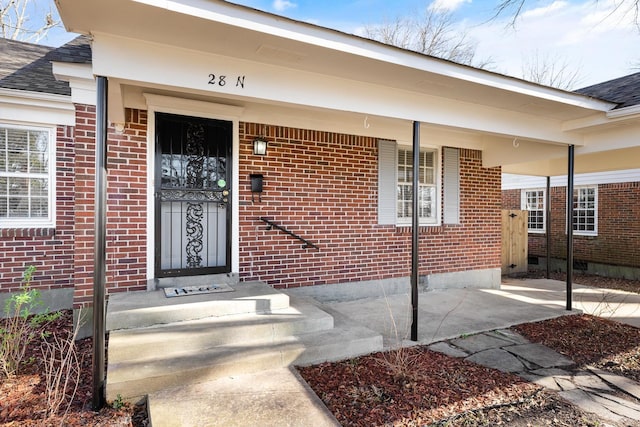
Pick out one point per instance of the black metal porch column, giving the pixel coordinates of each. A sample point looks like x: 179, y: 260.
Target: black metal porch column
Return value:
x: 548, y: 226
x: 99, y: 263
x: 570, y: 169
x: 415, y: 248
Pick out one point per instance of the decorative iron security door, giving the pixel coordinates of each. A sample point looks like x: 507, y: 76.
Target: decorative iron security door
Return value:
x: 193, y: 211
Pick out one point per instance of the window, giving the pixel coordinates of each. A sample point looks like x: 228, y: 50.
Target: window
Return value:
x: 534, y: 202
x: 395, y: 181
x: 585, y: 211
x: 427, y: 187
x: 26, y: 176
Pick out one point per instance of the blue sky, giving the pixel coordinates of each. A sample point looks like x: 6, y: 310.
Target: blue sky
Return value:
x: 585, y: 34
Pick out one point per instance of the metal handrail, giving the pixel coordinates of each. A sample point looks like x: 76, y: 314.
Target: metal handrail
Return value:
x: 270, y: 224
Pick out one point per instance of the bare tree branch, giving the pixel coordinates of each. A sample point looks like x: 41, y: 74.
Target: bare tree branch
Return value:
x: 551, y: 71
x: 433, y: 32
x: 16, y: 20
x: 514, y: 8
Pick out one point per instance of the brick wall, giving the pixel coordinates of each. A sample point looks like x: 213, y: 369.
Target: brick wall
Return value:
x: 618, y: 239
x: 49, y: 250
x: 126, y: 204
x: 323, y: 186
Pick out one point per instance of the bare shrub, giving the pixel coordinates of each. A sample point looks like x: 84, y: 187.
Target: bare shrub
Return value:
x: 61, y: 367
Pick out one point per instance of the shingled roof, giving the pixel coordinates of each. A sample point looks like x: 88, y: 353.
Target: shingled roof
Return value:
x: 624, y: 91
x: 27, y: 66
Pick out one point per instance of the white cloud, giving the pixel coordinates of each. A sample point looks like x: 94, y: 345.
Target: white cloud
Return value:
x: 282, y: 5
x: 585, y: 35
x: 447, y: 5
x: 554, y: 7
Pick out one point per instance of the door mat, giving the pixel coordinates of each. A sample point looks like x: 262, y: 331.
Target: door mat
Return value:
x: 183, y: 291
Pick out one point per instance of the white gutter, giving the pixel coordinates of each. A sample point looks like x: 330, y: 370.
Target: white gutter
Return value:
x: 626, y: 112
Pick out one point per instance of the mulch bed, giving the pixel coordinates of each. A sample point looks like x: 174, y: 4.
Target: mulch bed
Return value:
x: 590, y: 340
x: 23, y: 396
x: 414, y: 386
x: 419, y: 387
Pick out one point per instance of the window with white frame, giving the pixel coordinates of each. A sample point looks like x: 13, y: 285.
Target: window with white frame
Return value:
x: 427, y: 186
x: 534, y: 202
x: 27, y: 176
x: 585, y: 210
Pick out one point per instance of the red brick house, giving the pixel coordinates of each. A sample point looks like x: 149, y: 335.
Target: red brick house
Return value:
x: 193, y: 89
x: 606, y: 228
x: 605, y: 222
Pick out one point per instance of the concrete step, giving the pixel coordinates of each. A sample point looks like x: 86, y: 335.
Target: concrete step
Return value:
x: 135, y: 378
x: 141, y: 309
x: 192, y: 335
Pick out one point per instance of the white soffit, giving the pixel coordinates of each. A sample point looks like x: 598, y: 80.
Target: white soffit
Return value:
x: 149, y: 64
x: 81, y: 81
x: 221, y: 28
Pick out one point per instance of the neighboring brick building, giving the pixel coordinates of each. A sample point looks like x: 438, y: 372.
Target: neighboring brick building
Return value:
x: 188, y: 193
x: 607, y: 225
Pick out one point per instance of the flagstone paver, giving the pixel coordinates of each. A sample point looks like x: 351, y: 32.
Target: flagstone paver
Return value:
x: 591, y: 390
x: 448, y: 349
x: 479, y: 342
x: 497, y: 359
x: 539, y: 355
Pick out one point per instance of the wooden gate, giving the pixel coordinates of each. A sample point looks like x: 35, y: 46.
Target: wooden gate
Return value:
x: 515, y: 241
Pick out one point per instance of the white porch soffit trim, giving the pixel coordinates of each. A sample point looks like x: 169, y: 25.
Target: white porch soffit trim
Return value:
x: 22, y: 106
x: 183, y: 46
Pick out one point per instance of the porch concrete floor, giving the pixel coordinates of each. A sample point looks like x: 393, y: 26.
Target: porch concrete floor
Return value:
x: 443, y: 314
x: 449, y: 313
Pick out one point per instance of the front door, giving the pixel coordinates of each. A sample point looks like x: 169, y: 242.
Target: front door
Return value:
x: 193, y: 209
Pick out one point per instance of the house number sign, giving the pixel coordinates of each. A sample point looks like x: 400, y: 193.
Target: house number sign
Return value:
x: 222, y: 80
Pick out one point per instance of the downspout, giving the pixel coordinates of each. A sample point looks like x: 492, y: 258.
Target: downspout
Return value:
x: 415, y: 249
x: 548, y: 226
x: 570, y: 170
x: 99, y: 262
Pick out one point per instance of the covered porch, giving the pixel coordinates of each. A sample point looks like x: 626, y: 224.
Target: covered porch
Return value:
x: 324, y: 102
x: 246, y: 382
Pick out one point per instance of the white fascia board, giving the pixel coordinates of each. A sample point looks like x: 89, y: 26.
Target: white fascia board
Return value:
x: 243, y: 17
x: 170, y: 104
x: 612, y: 117
x: 513, y: 182
x: 604, y: 161
x: 81, y: 81
x: 36, y: 107
x: 154, y: 64
x: 632, y: 111
x: 612, y: 138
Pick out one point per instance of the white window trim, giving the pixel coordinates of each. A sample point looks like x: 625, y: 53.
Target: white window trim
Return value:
x: 523, y: 206
x: 50, y: 221
x: 438, y: 187
x: 595, y: 214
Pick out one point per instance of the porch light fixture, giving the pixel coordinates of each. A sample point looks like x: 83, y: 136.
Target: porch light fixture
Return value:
x: 260, y: 146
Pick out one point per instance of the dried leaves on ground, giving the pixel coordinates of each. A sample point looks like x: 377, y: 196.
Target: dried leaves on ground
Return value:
x: 427, y: 388
x: 590, y: 340
x: 23, y: 401
x: 413, y: 387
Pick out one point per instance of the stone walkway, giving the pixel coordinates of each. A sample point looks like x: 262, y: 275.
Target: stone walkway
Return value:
x: 591, y: 390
